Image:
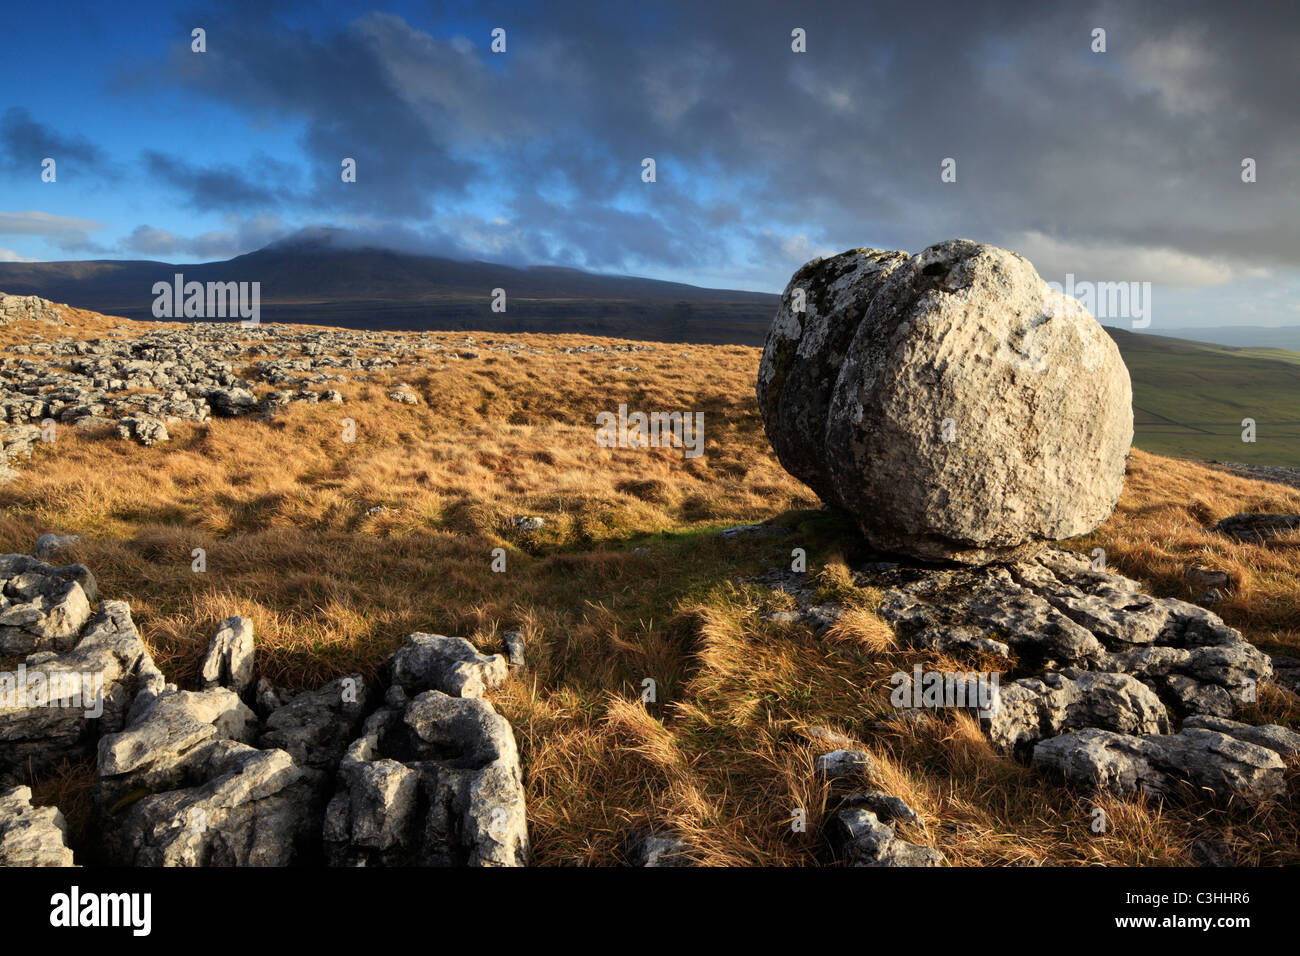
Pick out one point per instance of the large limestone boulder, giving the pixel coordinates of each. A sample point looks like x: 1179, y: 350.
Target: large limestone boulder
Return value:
x: 805, y: 349
x: 975, y: 413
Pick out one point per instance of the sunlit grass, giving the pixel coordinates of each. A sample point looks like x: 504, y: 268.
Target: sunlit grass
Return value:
x: 625, y: 582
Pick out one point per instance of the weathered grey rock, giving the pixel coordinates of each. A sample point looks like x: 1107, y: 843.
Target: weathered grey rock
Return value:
x: 230, y: 657
x: 404, y: 395
x: 316, y: 727
x: 887, y: 807
x: 821, y: 617
x: 31, y: 836
x: 987, y: 601
x: 42, y: 607
x: 180, y: 787
x: 1208, y: 760
x: 1030, y: 709
x: 1115, y: 670
x: 49, y: 545
x: 948, y: 639
x: 1208, y: 578
x: 449, y: 664
x: 839, y: 764
x: 56, y: 706
x: 820, y: 311
x: 373, y: 818
x: 1056, y: 613
x: 28, y: 308
x: 859, y: 838
x: 17, y: 441
x: 976, y: 413
x: 513, y: 642
x: 1277, y: 739
x: 238, y: 807
x: 1286, y: 671
x: 646, y: 848
x: 434, y: 781
x: 267, y: 698
x: 1191, y: 696
x: 90, y: 423
x: 1257, y: 527
x: 144, y: 429
x: 1109, y: 606
x: 157, y: 750
x: 232, y: 401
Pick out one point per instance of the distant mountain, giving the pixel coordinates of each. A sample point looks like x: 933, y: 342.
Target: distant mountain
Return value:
x: 324, y: 282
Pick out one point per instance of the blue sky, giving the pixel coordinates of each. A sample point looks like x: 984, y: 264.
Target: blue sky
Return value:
x: 1122, y: 165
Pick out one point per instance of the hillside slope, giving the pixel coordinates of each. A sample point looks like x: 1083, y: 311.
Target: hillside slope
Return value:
x: 1190, y: 398
x: 337, y: 550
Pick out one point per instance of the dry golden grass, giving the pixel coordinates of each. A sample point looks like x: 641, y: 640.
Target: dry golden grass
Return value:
x: 626, y: 581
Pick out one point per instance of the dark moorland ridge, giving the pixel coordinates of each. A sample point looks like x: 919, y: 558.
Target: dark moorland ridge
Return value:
x: 318, y: 282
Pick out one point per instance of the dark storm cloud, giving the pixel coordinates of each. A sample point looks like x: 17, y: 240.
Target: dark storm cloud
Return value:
x: 25, y: 143
x: 239, y: 235
x: 222, y: 187
x: 1077, y: 158
x: 340, y: 91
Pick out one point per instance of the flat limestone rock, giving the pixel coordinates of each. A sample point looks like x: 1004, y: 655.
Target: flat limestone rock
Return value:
x: 244, y: 807
x: 1032, y: 708
x: 42, y: 607
x: 1257, y: 527
x: 1208, y: 760
x: 449, y: 664
x: 31, y: 836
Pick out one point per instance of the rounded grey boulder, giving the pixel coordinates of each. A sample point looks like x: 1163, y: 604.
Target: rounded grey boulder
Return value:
x: 819, y: 315
x: 974, y: 413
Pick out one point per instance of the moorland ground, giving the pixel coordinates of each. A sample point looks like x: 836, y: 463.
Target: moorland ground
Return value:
x: 626, y: 579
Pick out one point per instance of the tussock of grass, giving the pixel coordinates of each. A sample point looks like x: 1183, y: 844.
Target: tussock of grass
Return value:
x: 626, y: 581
